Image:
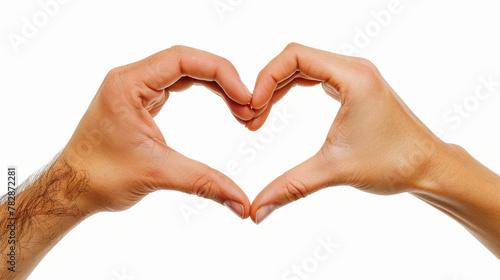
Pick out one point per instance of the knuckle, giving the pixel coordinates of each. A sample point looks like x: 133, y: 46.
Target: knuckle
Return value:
x: 203, y: 185
x: 224, y: 62
x: 367, y: 73
x: 366, y: 68
x: 294, y: 189
x: 120, y: 86
x: 115, y: 74
x: 223, y: 65
x: 114, y: 80
x: 293, y: 46
x: 174, y: 52
x: 365, y: 62
x: 176, y: 48
x: 263, y: 73
x: 120, y: 73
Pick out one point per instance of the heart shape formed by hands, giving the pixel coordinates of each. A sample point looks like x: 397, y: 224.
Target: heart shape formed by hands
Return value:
x: 375, y: 143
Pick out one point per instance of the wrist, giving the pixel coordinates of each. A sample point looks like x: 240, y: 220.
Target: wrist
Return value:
x: 441, y: 163
x: 454, y: 177
x: 66, y: 184
x: 465, y: 190
x: 47, y: 207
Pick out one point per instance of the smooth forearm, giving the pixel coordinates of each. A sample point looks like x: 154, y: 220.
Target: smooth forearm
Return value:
x: 45, y: 211
x: 466, y: 190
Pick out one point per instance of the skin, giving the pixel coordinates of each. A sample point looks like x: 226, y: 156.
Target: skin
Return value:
x: 375, y: 144
x: 117, y: 155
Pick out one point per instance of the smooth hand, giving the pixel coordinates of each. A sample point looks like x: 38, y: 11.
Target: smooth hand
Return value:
x: 375, y: 143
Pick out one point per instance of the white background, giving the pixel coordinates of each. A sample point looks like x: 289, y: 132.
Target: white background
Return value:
x: 433, y: 53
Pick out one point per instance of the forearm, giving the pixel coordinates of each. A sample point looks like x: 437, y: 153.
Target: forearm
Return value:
x: 45, y: 211
x: 466, y: 190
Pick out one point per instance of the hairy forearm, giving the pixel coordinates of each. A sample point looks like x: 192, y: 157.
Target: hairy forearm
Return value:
x: 47, y: 207
x: 467, y: 191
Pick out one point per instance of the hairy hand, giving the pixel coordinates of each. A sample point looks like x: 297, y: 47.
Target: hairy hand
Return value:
x: 123, y: 151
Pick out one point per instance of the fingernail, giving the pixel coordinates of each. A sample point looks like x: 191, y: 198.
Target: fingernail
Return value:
x: 264, y: 212
x: 235, y: 207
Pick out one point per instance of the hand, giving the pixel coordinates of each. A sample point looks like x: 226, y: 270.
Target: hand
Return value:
x: 375, y: 144
x: 123, y: 152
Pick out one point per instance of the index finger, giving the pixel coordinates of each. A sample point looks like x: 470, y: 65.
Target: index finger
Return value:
x: 316, y: 64
x: 163, y: 69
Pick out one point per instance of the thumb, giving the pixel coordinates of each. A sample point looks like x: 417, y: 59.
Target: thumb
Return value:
x: 186, y: 175
x: 298, y: 182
